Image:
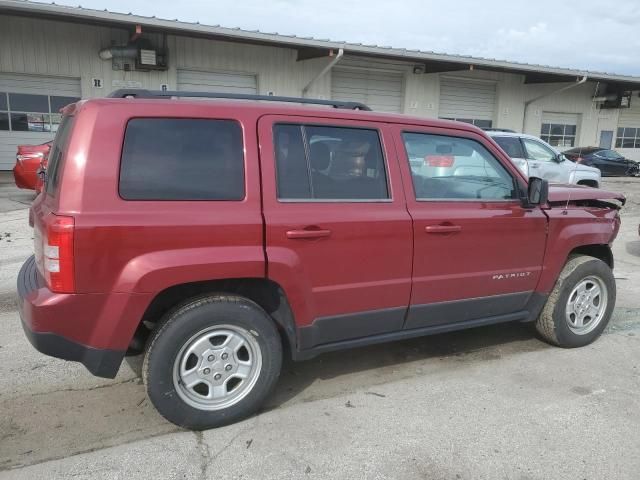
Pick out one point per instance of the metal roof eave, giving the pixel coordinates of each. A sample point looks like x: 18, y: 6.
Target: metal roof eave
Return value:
x: 27, y: 8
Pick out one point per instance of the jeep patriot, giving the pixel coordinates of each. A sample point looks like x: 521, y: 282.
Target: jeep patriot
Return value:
x: 217, y: 236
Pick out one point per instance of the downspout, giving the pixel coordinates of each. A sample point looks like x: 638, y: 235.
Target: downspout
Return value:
x: 529, y: 102
x: 324, y: 70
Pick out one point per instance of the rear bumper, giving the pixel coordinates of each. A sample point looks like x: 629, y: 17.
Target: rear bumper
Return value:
x: 51, y: 321
x: 101, y: 363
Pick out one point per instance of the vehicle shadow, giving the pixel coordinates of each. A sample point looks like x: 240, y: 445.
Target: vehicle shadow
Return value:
x: 114, y: 413
x: 341, y: 372
x: 633, y: 248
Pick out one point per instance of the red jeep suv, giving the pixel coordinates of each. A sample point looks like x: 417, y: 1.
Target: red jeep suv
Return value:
x: 216, y: 235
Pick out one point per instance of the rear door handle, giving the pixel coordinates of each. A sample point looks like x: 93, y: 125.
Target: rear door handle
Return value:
x: 301, y: 234
x: 442, y: 228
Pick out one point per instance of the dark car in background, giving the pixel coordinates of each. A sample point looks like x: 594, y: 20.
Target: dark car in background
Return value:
x: 609, y: 162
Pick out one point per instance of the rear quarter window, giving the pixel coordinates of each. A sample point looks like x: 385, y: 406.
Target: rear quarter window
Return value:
x: 182, y: 159
x: 57, y: 153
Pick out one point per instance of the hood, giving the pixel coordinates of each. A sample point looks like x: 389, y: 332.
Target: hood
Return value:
x: 561, y: 193
x: 578, y: 167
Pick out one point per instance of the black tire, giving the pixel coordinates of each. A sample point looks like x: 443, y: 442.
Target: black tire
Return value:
x: 552, y: 324
x: 178, y: 328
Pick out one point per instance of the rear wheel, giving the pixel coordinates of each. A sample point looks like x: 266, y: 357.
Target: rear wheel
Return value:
x: 580, y: 305
x: 212, y: 361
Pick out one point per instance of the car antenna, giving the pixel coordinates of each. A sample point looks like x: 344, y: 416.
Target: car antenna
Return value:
x: 575, y: 169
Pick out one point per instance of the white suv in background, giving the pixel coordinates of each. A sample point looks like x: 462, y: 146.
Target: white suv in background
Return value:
x: 537, y: 158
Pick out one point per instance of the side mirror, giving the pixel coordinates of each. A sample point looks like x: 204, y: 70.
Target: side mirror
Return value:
x: 537, y: 192
x: 560, y: 158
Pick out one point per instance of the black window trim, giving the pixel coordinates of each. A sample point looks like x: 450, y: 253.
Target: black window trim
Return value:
x: 385, y: 164
x: 516, y: 184
x: 165, y: 200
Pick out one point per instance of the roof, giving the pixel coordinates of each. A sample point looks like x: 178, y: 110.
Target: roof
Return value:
x: 434, y: 62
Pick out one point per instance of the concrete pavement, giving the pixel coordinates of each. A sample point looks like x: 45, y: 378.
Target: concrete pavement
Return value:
x: 488, y: 403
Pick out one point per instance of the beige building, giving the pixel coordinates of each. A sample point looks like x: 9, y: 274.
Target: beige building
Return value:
x: 50, y: 55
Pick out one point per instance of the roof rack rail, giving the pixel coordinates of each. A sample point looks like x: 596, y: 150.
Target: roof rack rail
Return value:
x: 158, y: 94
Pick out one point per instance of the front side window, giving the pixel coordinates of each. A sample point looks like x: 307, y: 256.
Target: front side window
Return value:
x: 182, y: 159
x: 610, y: 155
x: 453, y: 168
x: 511, y: 146
x: 537, y: 151
x: 329, y: 163
x: 559, y: 135
x: 628, y: 137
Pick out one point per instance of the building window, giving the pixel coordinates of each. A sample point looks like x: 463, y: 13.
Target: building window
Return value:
x: 472, y: 121
x: 558, y: 134
x: 627, y: 137
x: 23, y: 112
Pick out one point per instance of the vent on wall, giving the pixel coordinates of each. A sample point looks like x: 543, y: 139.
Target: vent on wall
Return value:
x: 138, y: 54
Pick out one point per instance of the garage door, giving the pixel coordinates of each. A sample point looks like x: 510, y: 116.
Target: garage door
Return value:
x: 468, y: 101
x: 382, y: 91
x: 559, y: 129
x: 213, y: 82
x: 29, y: 106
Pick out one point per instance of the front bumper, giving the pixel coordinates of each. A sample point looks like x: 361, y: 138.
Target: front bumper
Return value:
x: 40, y: 309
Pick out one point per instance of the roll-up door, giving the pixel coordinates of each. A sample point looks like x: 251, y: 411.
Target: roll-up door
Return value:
x: 380, y: 90
x: 467, y: 101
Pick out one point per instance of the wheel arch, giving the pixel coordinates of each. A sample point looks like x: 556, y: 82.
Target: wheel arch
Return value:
x: 266, y: 293
x: 599, y: 251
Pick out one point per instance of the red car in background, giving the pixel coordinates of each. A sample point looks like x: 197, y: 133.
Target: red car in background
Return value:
x: 29, y: 159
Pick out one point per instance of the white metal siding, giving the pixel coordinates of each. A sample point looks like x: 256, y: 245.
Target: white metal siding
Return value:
x: 630, y: 117
x: 467, y: 99
x: 199, y: 81
x: 382, y: 91
x: 560, y: 118
x: 34, y: 84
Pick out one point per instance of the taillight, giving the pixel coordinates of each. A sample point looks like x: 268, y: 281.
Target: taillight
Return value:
x: 439, y: 161
x: 57, y: 254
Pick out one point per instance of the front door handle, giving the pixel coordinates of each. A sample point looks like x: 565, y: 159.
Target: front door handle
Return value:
x: 442, y: 228
x: 301, y: 234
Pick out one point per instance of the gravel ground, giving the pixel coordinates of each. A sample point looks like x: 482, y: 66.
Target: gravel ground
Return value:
x: 490, y: 403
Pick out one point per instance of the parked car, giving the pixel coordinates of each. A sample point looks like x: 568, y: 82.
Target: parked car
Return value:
x: 213, y: 236
x: 29, y: 160
x: 609, y: 162
x: 536, y: 157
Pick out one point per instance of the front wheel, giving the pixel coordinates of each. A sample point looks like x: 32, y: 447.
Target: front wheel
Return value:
x: 580, y: 305
x: 212, y: 361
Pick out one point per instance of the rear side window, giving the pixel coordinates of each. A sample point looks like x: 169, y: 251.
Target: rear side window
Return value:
x: 57, y: 153
x: 182, y: 159
x: 511, y: 146
x: 329, y: 163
